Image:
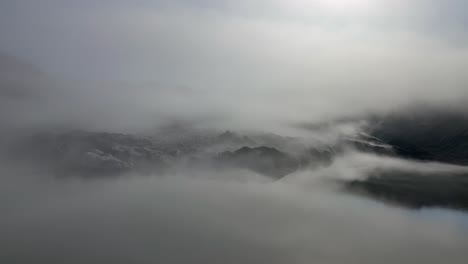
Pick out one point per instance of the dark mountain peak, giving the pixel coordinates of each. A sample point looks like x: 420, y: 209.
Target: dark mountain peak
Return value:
x: 264, y: 160
x: 260, y: 151
x: 228, y: 134
x: 229, y: 137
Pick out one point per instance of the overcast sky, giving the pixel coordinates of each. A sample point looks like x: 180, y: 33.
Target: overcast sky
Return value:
x: 277, y: 60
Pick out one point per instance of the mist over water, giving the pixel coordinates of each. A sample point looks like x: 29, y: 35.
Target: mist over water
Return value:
x: 218, y: 215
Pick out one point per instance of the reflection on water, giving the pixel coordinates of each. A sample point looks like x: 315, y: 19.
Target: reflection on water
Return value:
x: 457, y: 218
x: 186, y: 219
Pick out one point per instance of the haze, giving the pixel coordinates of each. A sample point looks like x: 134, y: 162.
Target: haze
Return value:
x: 243, y: 63
x: 233, y: 131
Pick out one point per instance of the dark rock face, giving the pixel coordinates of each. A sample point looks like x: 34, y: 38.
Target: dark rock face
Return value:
x: 368, y: 143
x: 264, y: 160
x: 429, y: 136
x: 424, y: 135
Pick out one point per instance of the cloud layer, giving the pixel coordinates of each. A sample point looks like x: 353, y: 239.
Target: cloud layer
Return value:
x: 250, y: 63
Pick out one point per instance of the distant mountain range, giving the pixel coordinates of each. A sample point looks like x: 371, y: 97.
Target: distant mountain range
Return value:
x: 419, y: 136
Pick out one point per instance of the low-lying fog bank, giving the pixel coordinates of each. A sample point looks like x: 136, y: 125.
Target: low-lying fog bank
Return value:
x: 210, y: 216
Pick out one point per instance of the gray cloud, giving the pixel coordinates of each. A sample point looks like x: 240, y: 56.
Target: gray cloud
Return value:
x: 251, y: 63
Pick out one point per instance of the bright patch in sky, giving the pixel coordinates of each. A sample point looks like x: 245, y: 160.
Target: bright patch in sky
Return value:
x: 343, y: 7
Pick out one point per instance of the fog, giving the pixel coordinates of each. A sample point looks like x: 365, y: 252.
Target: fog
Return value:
x: 210, y: 216
x: 303, y: 75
